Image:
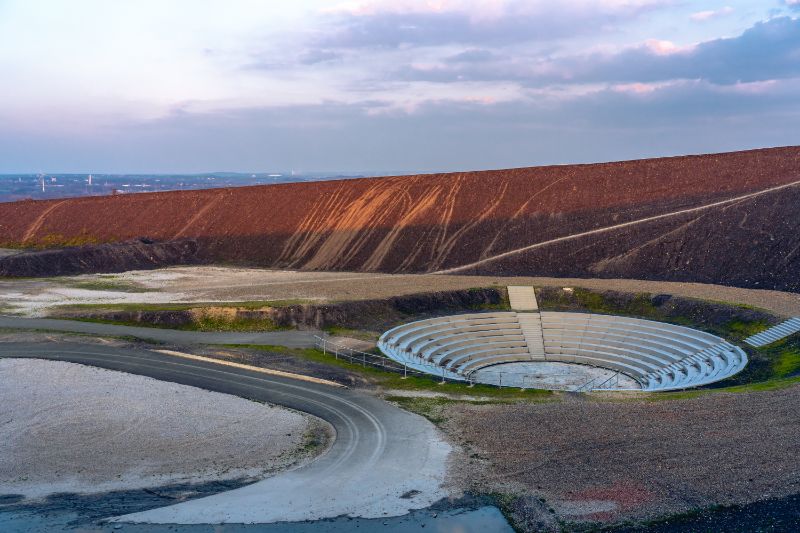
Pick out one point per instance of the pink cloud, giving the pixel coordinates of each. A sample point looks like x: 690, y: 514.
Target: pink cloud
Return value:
x: 702, y: 16
x: 665, y: 48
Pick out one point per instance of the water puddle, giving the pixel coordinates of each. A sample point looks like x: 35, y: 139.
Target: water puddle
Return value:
x: 481, y: 520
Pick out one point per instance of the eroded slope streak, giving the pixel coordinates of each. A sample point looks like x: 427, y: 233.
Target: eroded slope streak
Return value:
x: 433, y: 222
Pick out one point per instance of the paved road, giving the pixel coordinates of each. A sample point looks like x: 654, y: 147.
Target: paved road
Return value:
x: 379, y: 454
x: 289, y: 338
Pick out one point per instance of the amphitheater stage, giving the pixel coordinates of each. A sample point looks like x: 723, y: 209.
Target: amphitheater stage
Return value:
x: 552, y: 375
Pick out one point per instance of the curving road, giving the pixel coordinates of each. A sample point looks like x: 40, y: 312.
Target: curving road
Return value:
x: 383, y: 462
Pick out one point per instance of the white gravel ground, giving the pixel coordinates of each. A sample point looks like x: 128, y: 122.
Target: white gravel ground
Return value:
x: 72, y: 428
x: 41, y: 297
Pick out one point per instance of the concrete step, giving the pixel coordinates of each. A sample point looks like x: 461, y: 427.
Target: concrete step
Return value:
x: 531, y: 326
x: 775, y: 333
x: 522, y: 298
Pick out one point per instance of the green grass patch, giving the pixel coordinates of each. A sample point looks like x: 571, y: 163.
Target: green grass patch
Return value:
x: 361, y: 334
x: 503, y: 305
x: 134, y: 307
x: 741, y: 329
x: 642, y: 305
x: 393, y: 380
x: 239, y: 324
x: 784, y: 356
x: 201, y: 324
x: 109, y: 285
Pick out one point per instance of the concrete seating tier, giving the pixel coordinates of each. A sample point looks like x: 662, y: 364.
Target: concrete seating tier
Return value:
x: 658, y: 356
x: 775, y: 333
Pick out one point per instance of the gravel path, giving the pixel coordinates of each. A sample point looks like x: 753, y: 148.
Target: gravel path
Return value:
x: 602, y: 460
x: 66, y: 427
x: 220, y: 284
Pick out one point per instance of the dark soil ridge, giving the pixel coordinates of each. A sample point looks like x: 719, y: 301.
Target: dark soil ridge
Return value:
x: 369, y: 315
x: 138, y: 254
x: 435, y: 222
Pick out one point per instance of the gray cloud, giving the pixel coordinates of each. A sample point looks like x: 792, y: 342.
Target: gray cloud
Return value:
x: 314, y: 56
x: 474, y: 55
x: 549, y: 21
x: 768, y: 50
x: 690, y: 117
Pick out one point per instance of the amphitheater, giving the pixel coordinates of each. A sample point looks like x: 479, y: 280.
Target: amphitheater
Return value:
x: 625, y: 353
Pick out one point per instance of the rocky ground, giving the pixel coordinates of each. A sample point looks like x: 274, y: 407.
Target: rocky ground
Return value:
x: 604, y: 460
x: 111, y: 431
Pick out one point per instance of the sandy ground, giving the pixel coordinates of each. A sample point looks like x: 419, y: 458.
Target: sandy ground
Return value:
x: 71, y: 428
x: 224, y: 284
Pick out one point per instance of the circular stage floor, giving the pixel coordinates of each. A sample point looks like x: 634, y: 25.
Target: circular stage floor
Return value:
x: 551, y: 375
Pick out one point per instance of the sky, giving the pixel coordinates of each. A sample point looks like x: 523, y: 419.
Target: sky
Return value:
x: 171, y: 86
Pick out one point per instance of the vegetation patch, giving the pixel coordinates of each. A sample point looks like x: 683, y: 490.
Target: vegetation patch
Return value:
x: 730, y: 321
x: 433, y: 407
x: 133, y: 307
x: 393, y: 380
x: 352, y: 333
x: 363, y: 318
x: 199, y: 323
x: 109, y: 284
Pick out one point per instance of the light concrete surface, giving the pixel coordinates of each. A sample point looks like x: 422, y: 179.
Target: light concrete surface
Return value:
x: 775, y: 333
x: 549, y: 375
x: 66, y: 427
x: 657, y: 355
x: 522, y: 298
x: 383, y: 462
x: 531, y: 326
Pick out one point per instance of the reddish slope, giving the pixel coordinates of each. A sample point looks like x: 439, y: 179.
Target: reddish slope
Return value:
x: 408, y: 223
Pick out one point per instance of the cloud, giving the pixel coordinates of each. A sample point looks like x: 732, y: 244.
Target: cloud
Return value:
x: 607, y: 124
x: 312, y: 57
x: 768, y: 50
x: 702, y: 16
x: 473, y: 55
x: 410, y: 23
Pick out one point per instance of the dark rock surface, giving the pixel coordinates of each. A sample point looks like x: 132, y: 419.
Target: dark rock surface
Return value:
x: 139, y: 254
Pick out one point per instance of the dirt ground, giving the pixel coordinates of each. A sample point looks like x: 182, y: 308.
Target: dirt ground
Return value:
x: 227, y: 284
x: 109, y: 430
x: 580, y: 460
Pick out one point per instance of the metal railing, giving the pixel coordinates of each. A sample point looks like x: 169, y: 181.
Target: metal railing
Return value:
x: 430, y: 370
x: 381, y: 361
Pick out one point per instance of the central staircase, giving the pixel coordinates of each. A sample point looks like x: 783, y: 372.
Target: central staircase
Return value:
x: 531, y: 326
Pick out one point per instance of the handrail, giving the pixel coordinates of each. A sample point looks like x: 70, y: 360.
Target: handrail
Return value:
x: 432, y: 370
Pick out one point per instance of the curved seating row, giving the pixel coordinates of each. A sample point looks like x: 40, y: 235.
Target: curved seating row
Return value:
x: 657, y: 355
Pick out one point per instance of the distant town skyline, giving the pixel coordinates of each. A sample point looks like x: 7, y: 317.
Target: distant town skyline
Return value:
x: 439, y: 85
